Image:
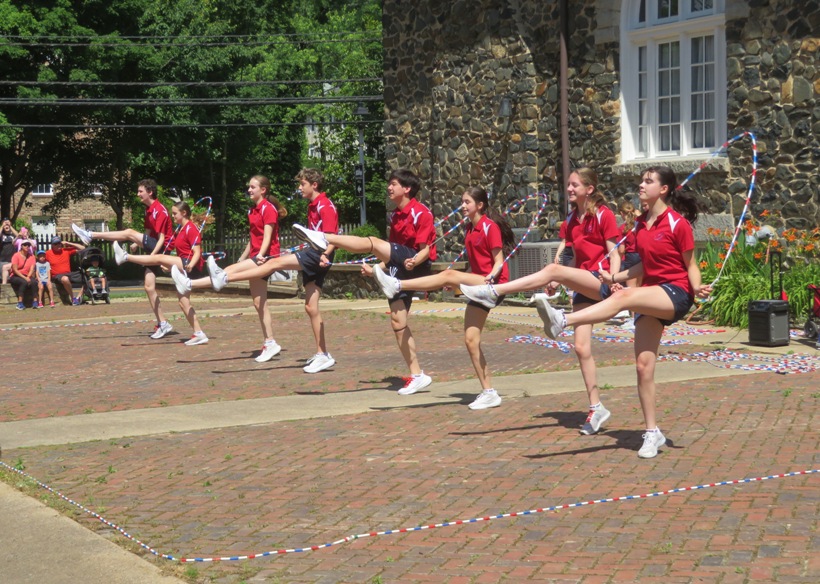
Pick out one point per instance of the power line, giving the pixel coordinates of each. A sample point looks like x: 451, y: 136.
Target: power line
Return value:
x: 148, y: 102
x: 193, y: 83
x: 180, y: 44
x: 182, y: 126
x: 323, y: 34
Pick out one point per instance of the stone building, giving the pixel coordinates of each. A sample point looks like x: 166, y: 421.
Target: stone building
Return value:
x: 473, y: 96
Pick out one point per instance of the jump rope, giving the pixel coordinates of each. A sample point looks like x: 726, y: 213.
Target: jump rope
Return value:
x: 349, y: 538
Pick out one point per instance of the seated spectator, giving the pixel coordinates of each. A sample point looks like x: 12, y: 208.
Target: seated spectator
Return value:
x: 8, y: 234
x: 22, y: 270
x: 59, y: 257
x: 96, y: 276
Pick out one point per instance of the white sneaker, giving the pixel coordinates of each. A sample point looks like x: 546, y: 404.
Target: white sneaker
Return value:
x: 320, y: 362
x: 554, y: 321
x: 181, y: 280
x: 488, y: 398
x: 623, y: 314
x: 83, y: 234
x: 120, y: 257
x: 162, y: 329
x: 197, y: 339
x: 595, y: 419
x: 315, y: 239
x: 219, y: 278
x: 269, y: 350
x: 415, y: 383
x: 628, y: 324
x: 482, y: 293
x: 652, y: 440
x: 390, y: 286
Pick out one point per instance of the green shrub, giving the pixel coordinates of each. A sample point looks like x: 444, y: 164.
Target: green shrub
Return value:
x: 366, y: 230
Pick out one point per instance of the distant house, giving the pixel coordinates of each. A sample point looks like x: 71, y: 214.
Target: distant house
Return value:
x: 89, y: 212
x: 474, y: 89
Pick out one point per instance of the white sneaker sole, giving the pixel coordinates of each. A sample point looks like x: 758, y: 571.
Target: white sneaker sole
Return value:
x: 600, y: 424
x: 322, y: 367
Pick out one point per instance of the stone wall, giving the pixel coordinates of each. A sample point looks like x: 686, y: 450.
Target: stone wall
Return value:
x: 449, y: 66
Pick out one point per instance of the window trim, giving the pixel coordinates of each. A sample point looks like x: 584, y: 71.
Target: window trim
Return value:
x: 683, y: 29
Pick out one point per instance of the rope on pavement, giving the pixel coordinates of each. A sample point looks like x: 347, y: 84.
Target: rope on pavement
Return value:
x: 350, y: 538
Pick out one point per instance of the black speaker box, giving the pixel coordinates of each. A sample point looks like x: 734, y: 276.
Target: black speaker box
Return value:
x: 769, y: 323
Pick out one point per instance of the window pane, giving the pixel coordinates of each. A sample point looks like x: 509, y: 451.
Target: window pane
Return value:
x: 642, y: 145
x: 710, y: 140
x: 697, y: 78
x: 643, y: 113
x: 674, y: 106
x: 641, y: 86
x: 676, y: 137
x: 709, y: 78
x: 663, y: 83
x: 697, y: 107
x: 664, y: 111
x: 663, y: 56
x: 675, y: 54
x: 663, y: 134
x: 709, y: 106
x: 642, y: 59
x: 642, y: 12
x: 709, y: 48
x: 675, y: 76
x: 697, y: 135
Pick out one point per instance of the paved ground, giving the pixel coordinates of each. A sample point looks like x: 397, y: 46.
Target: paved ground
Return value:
x: 284, y: 460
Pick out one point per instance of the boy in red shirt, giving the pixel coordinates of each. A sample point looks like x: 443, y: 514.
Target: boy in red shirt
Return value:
x: 155, y: 240
x: 409, y: 253
x: 59, y: 257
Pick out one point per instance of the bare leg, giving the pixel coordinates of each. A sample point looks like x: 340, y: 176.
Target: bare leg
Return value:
x: 648, y: 300
x: 648, y: 333
x: 583, y: 350
x: 352, y: 243
x: 157, y: 259
x: 66, y: 282
x: 190, y: 313
x: 312, y: 294
x: 153, y: 295
x: 124, y: 235
x: 440, y: 280
x: 243, y: 267
x: 40, y: 288
x: 578, y: 280
x: 259, y: 292
x: 6, y: 272
x: 404, y: 337
x: 474, y: 319
x: 249, y: 272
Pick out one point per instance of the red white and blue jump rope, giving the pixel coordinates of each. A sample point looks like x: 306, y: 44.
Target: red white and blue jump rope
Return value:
x: 741, y: 219
x: 349, y: 538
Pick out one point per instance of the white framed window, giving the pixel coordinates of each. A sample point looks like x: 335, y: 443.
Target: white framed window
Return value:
x: 43, y: 190
x: 673, y: 55
x: 95, y: 224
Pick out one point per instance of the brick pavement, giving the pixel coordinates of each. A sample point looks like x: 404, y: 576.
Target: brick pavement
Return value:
x: 260, y: 488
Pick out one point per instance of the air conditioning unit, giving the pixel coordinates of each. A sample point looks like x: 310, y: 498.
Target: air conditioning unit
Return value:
x: 531, y: 258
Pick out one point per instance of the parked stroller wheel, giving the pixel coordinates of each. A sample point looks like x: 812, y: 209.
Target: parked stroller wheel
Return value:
x: 810, y: 329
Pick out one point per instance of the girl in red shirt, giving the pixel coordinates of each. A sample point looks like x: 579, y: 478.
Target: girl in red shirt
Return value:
x: 671, y: 280
x: 488, y: 240
x: 187, y: 244
x: 593, y: 232
x: 22, y: 273
x: 263, y: 221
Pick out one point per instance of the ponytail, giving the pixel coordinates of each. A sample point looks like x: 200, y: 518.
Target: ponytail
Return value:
x: 683, y: 202
x: 264, y: 182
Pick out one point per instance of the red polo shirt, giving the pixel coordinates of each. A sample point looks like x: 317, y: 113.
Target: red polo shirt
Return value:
x: 589, y: 237
x: 413, y: 227
x: 661, y: 248
x: 480, y: 241
x: 322, y: 215
x: 157, y: 220
x: 264, y: 213
x: 185, y: 241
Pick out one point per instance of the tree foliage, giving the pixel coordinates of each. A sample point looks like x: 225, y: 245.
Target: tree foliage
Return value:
x: 201, y: 58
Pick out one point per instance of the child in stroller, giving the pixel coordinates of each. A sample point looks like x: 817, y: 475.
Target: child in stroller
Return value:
x: 95, y: 282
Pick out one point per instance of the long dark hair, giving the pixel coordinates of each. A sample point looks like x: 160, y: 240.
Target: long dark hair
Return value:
x: 684, y: 202
x: 479, y: 195
x: 264, y: 182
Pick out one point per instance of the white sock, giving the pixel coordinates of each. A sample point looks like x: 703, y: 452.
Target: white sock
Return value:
x: 596, y: 406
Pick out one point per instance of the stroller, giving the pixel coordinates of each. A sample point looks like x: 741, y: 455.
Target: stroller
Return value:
x: 97, y: 292
x: 812, y: 326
